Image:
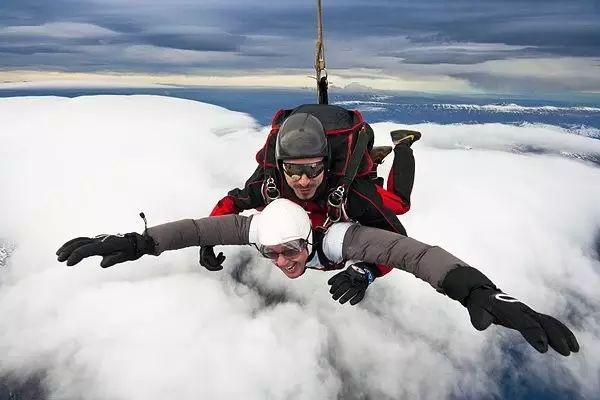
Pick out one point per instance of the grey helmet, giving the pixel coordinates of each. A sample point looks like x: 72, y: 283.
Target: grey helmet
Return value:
x: 301, y: 136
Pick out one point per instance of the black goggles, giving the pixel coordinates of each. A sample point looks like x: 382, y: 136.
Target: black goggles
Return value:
x: 295, y: 171
x: 288, y: 250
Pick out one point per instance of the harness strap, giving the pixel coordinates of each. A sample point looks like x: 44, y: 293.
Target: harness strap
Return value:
x: 336, y: 201
x: 356, y: 157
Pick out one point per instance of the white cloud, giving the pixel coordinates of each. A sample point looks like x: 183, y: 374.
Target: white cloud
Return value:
x: 170, y: 56
x: 164, y: 327
x: 587, y: 68
x: 60, y: 30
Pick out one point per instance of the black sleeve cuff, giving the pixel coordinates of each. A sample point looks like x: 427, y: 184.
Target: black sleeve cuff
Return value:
x: 459, y: 283
x: 372, y: 268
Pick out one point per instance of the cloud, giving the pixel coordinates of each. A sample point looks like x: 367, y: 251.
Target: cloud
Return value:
x: 51, y: 39
x: 60, y: 30
x: 164, y: 327
x: 535, y: 74
x: 460, y: 53
x: 191, y: 38
x: 163, y: 55
x: 35, y: 49
x: 281, y: 34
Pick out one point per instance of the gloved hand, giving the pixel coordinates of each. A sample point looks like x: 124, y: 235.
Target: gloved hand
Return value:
x: 351, y: 284
x: 113, y: 248
x: 208, y: 259
x: 489, y: 305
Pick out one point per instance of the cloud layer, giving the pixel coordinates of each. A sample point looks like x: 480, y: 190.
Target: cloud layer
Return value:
x: 165, y: 327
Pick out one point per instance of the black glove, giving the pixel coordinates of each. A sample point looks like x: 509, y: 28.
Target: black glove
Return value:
x: 351, y: 284
x: 208, y: 259
x: 489, y: 305
x: 113, y: 248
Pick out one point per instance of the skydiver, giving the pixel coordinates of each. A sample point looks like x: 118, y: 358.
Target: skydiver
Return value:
x: 283, y: 233
x: 305, y: 174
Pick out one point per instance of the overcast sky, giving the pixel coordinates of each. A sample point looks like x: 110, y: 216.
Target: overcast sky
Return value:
x: 463, y: 45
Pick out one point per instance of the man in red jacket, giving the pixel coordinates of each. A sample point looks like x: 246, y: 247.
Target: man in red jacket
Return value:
x: 304, y: 160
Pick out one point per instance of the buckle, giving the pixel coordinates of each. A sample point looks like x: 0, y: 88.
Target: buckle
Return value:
x: 335, y: 205
x: 270, y: 190
x: 337, y: 197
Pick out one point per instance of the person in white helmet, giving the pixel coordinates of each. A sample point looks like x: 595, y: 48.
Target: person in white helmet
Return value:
x: 283, y: 233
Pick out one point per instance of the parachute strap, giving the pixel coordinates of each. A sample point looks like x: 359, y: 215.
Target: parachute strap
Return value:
x: 336, y: 201
x: 320, y: 67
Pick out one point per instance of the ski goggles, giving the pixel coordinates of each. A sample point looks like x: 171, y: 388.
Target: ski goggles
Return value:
x: 289, y: 249
x: 295, y: 171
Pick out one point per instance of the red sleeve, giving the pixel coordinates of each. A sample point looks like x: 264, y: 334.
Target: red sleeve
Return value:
x: 397, y: 206
x: 383, y: 269
x: 225, y: 206
x: 392, y: 201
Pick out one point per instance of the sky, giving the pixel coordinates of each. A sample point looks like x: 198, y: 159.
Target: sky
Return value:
x: 463, y: 46
x: 164, y: 327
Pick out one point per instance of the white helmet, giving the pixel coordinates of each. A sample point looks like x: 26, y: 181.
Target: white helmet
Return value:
x: 282, y: 221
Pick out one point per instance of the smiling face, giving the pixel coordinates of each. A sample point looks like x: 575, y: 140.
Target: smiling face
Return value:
x: 282, y: 233
x: 293, y: 267
x: 304, y: 187
x: 289, y: 257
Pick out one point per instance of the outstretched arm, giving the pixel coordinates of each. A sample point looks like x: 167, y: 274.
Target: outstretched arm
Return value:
x: 485, y: 303
x: 209, y: 231
x: 429, y: 263
x: 222, y: 230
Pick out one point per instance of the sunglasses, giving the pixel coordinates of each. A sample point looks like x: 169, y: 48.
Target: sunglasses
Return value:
x: 289, y: 249
x: 295, y: 171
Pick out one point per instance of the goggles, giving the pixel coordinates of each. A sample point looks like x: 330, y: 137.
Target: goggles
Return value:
x: 289, y: 249
x: 295, y: 171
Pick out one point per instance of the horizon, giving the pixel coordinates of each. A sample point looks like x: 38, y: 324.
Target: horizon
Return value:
x: 84, y: 87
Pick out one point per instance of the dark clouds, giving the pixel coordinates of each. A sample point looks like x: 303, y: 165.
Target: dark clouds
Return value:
x: 280, y: 34
x: 460, y: 56
x: 501, y: 84
x: 217, y: 41
x: 35, y: 49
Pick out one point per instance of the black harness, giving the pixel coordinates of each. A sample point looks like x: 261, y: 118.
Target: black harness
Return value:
x: 336, y: 201
x: 317, y: 251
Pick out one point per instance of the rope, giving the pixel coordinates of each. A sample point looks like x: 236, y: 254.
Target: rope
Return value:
x: 320, y: 67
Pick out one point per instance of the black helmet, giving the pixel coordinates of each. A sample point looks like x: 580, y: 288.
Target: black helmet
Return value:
x: 301, y: 136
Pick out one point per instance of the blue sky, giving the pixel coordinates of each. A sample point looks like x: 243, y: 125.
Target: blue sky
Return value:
x: 470, y: 45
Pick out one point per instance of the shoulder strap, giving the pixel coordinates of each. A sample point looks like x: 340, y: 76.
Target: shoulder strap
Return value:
x: 336, y: 201
x: 356, y: 157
